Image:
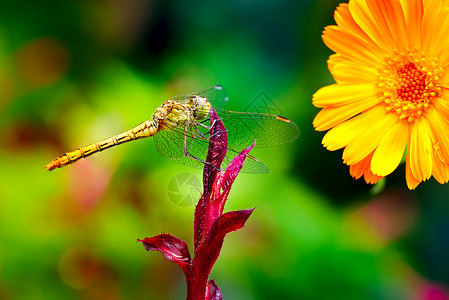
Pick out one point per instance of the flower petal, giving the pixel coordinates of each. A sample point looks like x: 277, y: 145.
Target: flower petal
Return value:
x: 342, y: 42
x: 369, y: 139
x: 370, y: 177
x: 348, y: 72
x: 440, y: 170
x: 413, y: 11
x: 345, y: 21
x: 342, y: 94
x: 435, y: 29
x: 389, y: 153
x: 377, y: 30
x: 331, y: 117
x: 439, y: 46
x: 363, y: 168
x: 421, y: 150
x: 412, y: 182
x: 343, y: 134
x: 442, y: 106
x: 390, y: 18
x: 440, y: 134
x: 357, y: 170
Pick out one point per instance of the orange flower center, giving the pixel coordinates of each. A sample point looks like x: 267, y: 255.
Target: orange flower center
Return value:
x: 408, y: 82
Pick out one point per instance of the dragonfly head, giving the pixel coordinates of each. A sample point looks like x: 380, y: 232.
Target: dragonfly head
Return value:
x: 201, y: 107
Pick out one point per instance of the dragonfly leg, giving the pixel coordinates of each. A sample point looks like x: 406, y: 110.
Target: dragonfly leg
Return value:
x: 203, y: 135
x: 186, y: 152
x: 212, y: 125
x: 201, y: 123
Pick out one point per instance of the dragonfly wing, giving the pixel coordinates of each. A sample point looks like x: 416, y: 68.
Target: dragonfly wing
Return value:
x: 216, y: 95
x: 252, y: 165
x: 268, y: 130
x: 181, y: 98
x: 173, y: 144
x: 170, y: 143
x: 243, y: 127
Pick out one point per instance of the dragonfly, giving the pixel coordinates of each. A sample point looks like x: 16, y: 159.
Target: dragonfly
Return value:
x: 180, y: 128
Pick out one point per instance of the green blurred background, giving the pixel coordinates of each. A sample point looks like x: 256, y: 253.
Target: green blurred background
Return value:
x: 74, y: 72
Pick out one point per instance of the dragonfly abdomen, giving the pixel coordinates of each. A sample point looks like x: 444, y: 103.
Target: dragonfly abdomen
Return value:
x: 143, y: 130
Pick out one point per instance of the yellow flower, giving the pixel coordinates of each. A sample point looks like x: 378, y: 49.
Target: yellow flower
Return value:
x: 391, y: 95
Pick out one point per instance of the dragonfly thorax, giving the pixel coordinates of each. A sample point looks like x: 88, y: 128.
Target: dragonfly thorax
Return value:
x: 173, y: 114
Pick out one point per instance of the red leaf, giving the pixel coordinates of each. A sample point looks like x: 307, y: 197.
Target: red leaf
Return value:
x: 224, y: 182
x: 213, y: 292
x: 218, y: 144
x: 207, y: 253
x: 173, y: 249
x: 234, y: 168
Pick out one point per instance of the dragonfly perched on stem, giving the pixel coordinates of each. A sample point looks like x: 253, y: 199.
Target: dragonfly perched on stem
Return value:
x: 180, y: 129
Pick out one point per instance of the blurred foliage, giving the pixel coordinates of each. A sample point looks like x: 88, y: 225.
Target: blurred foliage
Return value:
x: 74, y: 72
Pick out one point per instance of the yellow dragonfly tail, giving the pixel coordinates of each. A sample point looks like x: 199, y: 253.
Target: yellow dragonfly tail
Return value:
x: 143, y: 130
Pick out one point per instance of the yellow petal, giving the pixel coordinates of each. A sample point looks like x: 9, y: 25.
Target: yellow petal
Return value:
x: 341, y: 94
x: 353, y: 74
x: 351, y: 46
x: 336, y: 59
x: 345, y: 70
x: 439, y: 128
x: 412, y: 182
x: 421, y: 150
x: 413, y: 11
x: 341, y: 135
x: 442, y: 106
x: 390, y: 18
x: 357, y: 170
x: 440, y: 170
x: 378, y: 124
x: 376, y: 30
x: 370, y: 177
x: 345, y: 21
x: 432, y: 25
x: 363, y: 168
x: 445, y: 87
x: 389, y: 153
x: 436, y: 40
x: 331, y: 117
